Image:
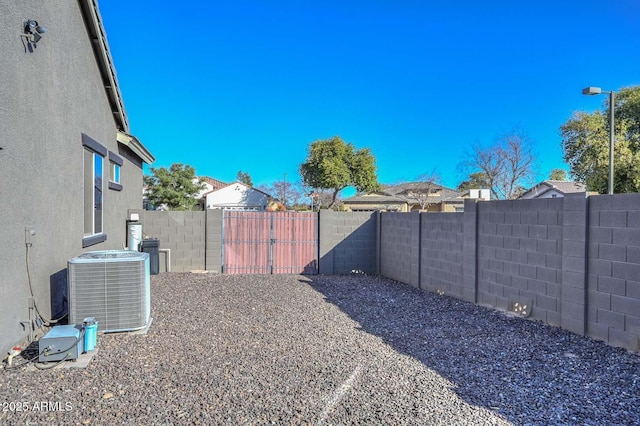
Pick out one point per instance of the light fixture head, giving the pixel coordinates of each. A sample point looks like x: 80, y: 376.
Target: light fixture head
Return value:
x: 30, y: 25
x: 32, y: 30
x: 591, y: 91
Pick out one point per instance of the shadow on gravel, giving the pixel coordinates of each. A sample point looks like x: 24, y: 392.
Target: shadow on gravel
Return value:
x: 528, y: 372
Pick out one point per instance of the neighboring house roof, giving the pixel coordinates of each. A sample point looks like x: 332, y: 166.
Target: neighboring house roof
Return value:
x: 414, y: 186
x: 561, y: 186
x: 214, y: 183
x: 375, y: 197
x: 403, y: 193
x: 567, y: 187
x: 407, y: 190
x: 97, y: 35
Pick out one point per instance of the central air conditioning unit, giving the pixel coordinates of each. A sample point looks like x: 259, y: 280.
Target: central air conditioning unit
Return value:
x: 113, y: 286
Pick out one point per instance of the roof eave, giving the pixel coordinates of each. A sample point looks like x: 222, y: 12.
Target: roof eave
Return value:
x: 97, y: 35
x: 100, y: 46
x: 136, y: 146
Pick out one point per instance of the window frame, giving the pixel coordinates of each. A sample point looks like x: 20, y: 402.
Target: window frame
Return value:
x: 97, y: 154
x: 115, y: 168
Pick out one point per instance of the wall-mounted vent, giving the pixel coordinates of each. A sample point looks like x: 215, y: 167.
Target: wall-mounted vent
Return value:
x: 112, y: 286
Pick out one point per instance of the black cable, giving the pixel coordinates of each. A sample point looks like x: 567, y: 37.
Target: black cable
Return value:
x: 49, y: 366
x: 44, y: 319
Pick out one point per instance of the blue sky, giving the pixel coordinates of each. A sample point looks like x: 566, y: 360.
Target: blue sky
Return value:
x: 248, y: 85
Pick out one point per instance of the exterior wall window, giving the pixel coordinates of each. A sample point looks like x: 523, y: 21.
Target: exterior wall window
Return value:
x: 94, y: 154
x: 115, y: 163
x: 115, y: 172
x: 92, y: 193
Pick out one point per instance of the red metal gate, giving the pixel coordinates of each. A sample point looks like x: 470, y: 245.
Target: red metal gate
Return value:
x: 270, y: 242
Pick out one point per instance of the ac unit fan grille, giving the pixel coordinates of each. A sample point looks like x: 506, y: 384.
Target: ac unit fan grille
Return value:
x: 114, y: 290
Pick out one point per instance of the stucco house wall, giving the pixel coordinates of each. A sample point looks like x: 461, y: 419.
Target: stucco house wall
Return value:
x: 237, y: 196
x: 52, y: 94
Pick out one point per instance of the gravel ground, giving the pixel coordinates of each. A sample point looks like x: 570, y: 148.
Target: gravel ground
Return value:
x: 226, y: 349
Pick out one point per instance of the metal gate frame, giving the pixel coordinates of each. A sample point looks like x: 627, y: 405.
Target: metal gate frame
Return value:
x: 269, y: 242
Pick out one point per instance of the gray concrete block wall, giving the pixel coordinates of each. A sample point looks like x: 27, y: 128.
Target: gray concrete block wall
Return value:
x: 576, y: 260
x: 613, y: 290
x: 441, y: 255
x: 470, y: 251
x: 400, y: 247
x: 573, y: 295
x: 183, y: 233
x: 520, y: 255
x: 213, y: 240
x: 347, y: 242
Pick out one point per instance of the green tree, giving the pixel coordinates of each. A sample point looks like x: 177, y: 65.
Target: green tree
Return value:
x: 477, y: 180
x: 244, y: 178
x: 585, y: 144
x: 335, y: 164
x: 558, y: 174
x: 176, y: 187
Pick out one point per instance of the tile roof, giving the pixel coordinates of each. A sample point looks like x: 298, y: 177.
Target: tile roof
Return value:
x: 215, y: 183
x: 563, y: 186
x: 567, y: 186
x: 408, y: 186
x: 400, y: 194
x: 382, y: 198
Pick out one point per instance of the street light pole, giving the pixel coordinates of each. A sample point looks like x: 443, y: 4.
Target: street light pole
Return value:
x: 611, y: 139
x: 597, y: 91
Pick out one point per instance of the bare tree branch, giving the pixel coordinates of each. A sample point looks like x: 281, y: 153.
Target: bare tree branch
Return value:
x: 508, y: 164
x: 429, y: 181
